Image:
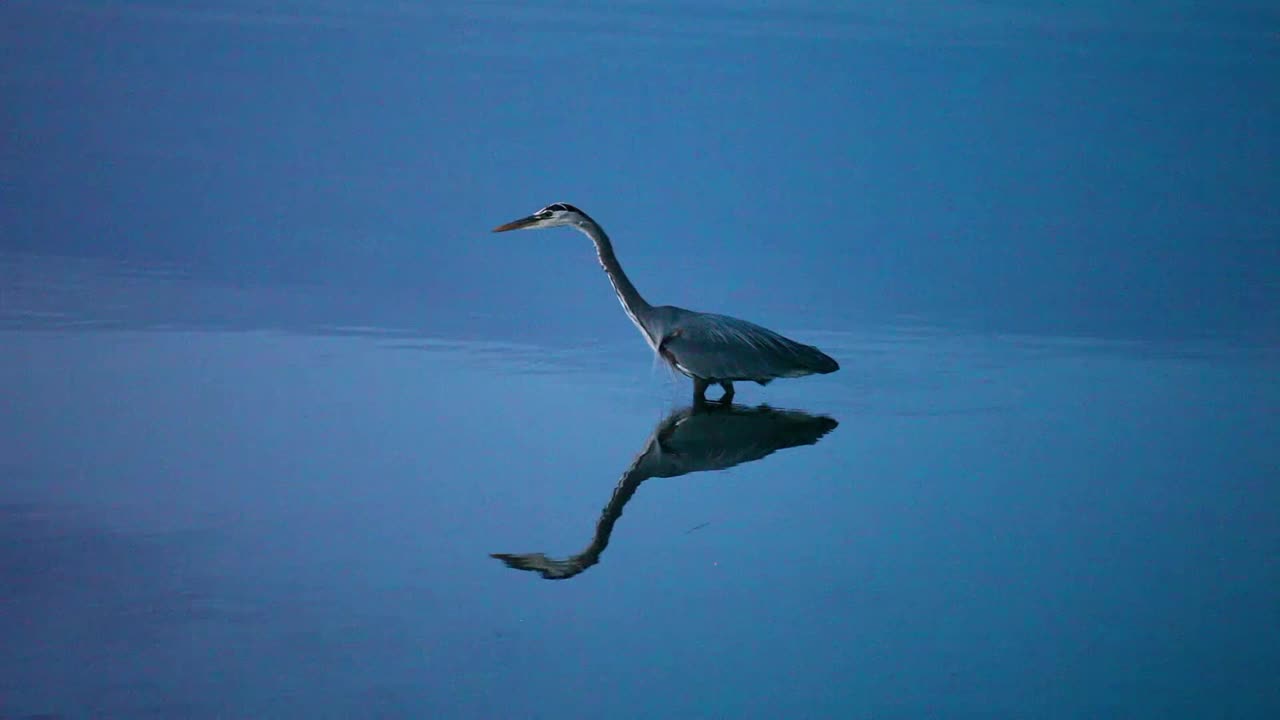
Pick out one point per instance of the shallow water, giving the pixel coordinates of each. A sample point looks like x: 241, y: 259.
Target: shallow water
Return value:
x: 286, y: 432
x: 200, y: 521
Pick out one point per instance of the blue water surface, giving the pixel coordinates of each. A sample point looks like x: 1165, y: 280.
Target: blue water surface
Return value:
x: 285, y: 432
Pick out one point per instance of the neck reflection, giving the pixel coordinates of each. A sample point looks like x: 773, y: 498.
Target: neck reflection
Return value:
x: 692, y: 439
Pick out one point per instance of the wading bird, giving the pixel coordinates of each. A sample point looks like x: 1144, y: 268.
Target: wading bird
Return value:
x: 707, y: 348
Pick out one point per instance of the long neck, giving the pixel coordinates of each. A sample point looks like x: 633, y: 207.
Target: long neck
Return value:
x: 634, y: 305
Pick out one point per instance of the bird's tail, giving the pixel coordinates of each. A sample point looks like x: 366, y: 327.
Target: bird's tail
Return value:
x: 820, y: 362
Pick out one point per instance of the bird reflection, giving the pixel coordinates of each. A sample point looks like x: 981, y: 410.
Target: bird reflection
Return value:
x: 700, y: 437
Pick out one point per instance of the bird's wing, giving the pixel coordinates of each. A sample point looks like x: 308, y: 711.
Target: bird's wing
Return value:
x: 719, y: 347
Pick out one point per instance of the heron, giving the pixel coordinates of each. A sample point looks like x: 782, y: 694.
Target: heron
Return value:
x: 707, y: 348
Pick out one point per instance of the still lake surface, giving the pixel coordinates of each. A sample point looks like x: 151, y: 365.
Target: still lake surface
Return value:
x: 210, y: 516
x: 285, y: 432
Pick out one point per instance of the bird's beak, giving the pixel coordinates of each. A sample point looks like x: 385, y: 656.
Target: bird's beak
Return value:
x: 521, y: 224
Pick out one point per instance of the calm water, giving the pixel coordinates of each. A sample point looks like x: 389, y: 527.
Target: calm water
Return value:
x: 285, y: 432
x: 269, y: 522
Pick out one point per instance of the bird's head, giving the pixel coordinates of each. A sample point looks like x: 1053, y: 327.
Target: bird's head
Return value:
x: 553, y: 215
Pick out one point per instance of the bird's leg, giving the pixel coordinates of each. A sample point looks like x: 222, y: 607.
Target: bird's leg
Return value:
x: 699, y: 390
x: 728, y: 391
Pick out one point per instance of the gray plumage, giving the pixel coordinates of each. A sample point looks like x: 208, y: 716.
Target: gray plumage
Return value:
x: 705, y: 347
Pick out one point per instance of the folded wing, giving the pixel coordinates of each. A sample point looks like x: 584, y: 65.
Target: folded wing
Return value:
x: 719, y: 347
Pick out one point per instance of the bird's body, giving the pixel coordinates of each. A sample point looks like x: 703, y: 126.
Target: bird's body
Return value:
x: 708, y: 348
x: 721, y: 349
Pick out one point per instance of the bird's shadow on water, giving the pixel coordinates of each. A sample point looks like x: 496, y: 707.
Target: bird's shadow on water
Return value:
x: 696, y: 438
